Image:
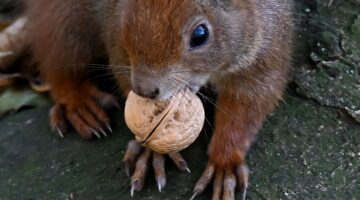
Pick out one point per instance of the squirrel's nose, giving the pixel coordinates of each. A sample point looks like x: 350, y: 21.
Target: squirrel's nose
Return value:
x: 146, y: 90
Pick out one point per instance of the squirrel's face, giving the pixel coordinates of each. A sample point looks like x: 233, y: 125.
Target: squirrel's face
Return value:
x: 174, y: 44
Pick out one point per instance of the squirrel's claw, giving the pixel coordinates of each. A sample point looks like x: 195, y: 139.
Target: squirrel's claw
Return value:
x: 242, y: 173
x: 138, y: 178
x: 142, y: 164
x: 179, y: 162
x: 225, y: 181
x: 159, y: 170
x: 204, y: 180
x: 85, y: 111
x: 132, y: 153
x: 244, y: 193
x: 109, y: 128
x: 132, y: 190
x: 93, y: 131
x: 195, y: 194
x: 57, y: 118
x: 103, y: 132
x: 60, y: 132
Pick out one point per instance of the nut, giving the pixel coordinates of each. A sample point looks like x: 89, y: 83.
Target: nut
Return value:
x: 165, y: 126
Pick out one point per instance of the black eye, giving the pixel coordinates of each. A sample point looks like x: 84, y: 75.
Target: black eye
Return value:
x: 199, y: 36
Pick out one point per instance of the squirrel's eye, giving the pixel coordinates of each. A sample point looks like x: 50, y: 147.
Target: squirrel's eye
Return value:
x: 199, y: 36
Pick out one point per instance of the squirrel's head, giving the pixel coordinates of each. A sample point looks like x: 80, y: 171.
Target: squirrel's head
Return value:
x: 172, y: 44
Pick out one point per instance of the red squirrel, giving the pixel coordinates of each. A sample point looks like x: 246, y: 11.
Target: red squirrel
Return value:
x: 157, y: 47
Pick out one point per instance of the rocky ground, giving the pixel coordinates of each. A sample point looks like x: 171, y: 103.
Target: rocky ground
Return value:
x: 308, y: 149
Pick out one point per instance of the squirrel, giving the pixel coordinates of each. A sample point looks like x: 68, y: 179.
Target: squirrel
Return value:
x: 156, y: 47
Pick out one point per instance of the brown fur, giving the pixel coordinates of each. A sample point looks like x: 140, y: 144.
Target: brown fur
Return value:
x: 246, y: 59
x: 155, y: 31
x: 250, y: 74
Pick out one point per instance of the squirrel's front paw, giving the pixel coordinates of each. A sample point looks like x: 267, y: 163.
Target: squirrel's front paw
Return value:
x: 225, y: 180
x: 83, y: 107
x: 137, y: 159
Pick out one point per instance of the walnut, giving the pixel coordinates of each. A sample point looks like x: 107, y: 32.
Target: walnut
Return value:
x: 165, y: 126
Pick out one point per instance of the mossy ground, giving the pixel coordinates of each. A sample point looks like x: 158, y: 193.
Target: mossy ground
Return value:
x: 309, y: 147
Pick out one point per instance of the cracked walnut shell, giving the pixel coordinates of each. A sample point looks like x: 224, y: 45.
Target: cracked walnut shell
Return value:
x: 162, y: 126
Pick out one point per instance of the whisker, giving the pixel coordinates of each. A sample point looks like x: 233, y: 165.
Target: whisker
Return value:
x: 210, y: 125
x: 234, y: 118
x: 110, y: 74
x: 104, y: 67
x: 209, y: 89
x: 114, y: 66
x: 185, y: 85
x: 197, y: 70
x: 120, y: 73
x: 184, y: 71
x: 176, y: 87
x: 212, y: 90
x: 215, y: 104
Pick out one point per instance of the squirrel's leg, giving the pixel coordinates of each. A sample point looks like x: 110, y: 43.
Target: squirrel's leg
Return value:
x: 237, y: 121
x: 63, y: 45
x: 235, y: 126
